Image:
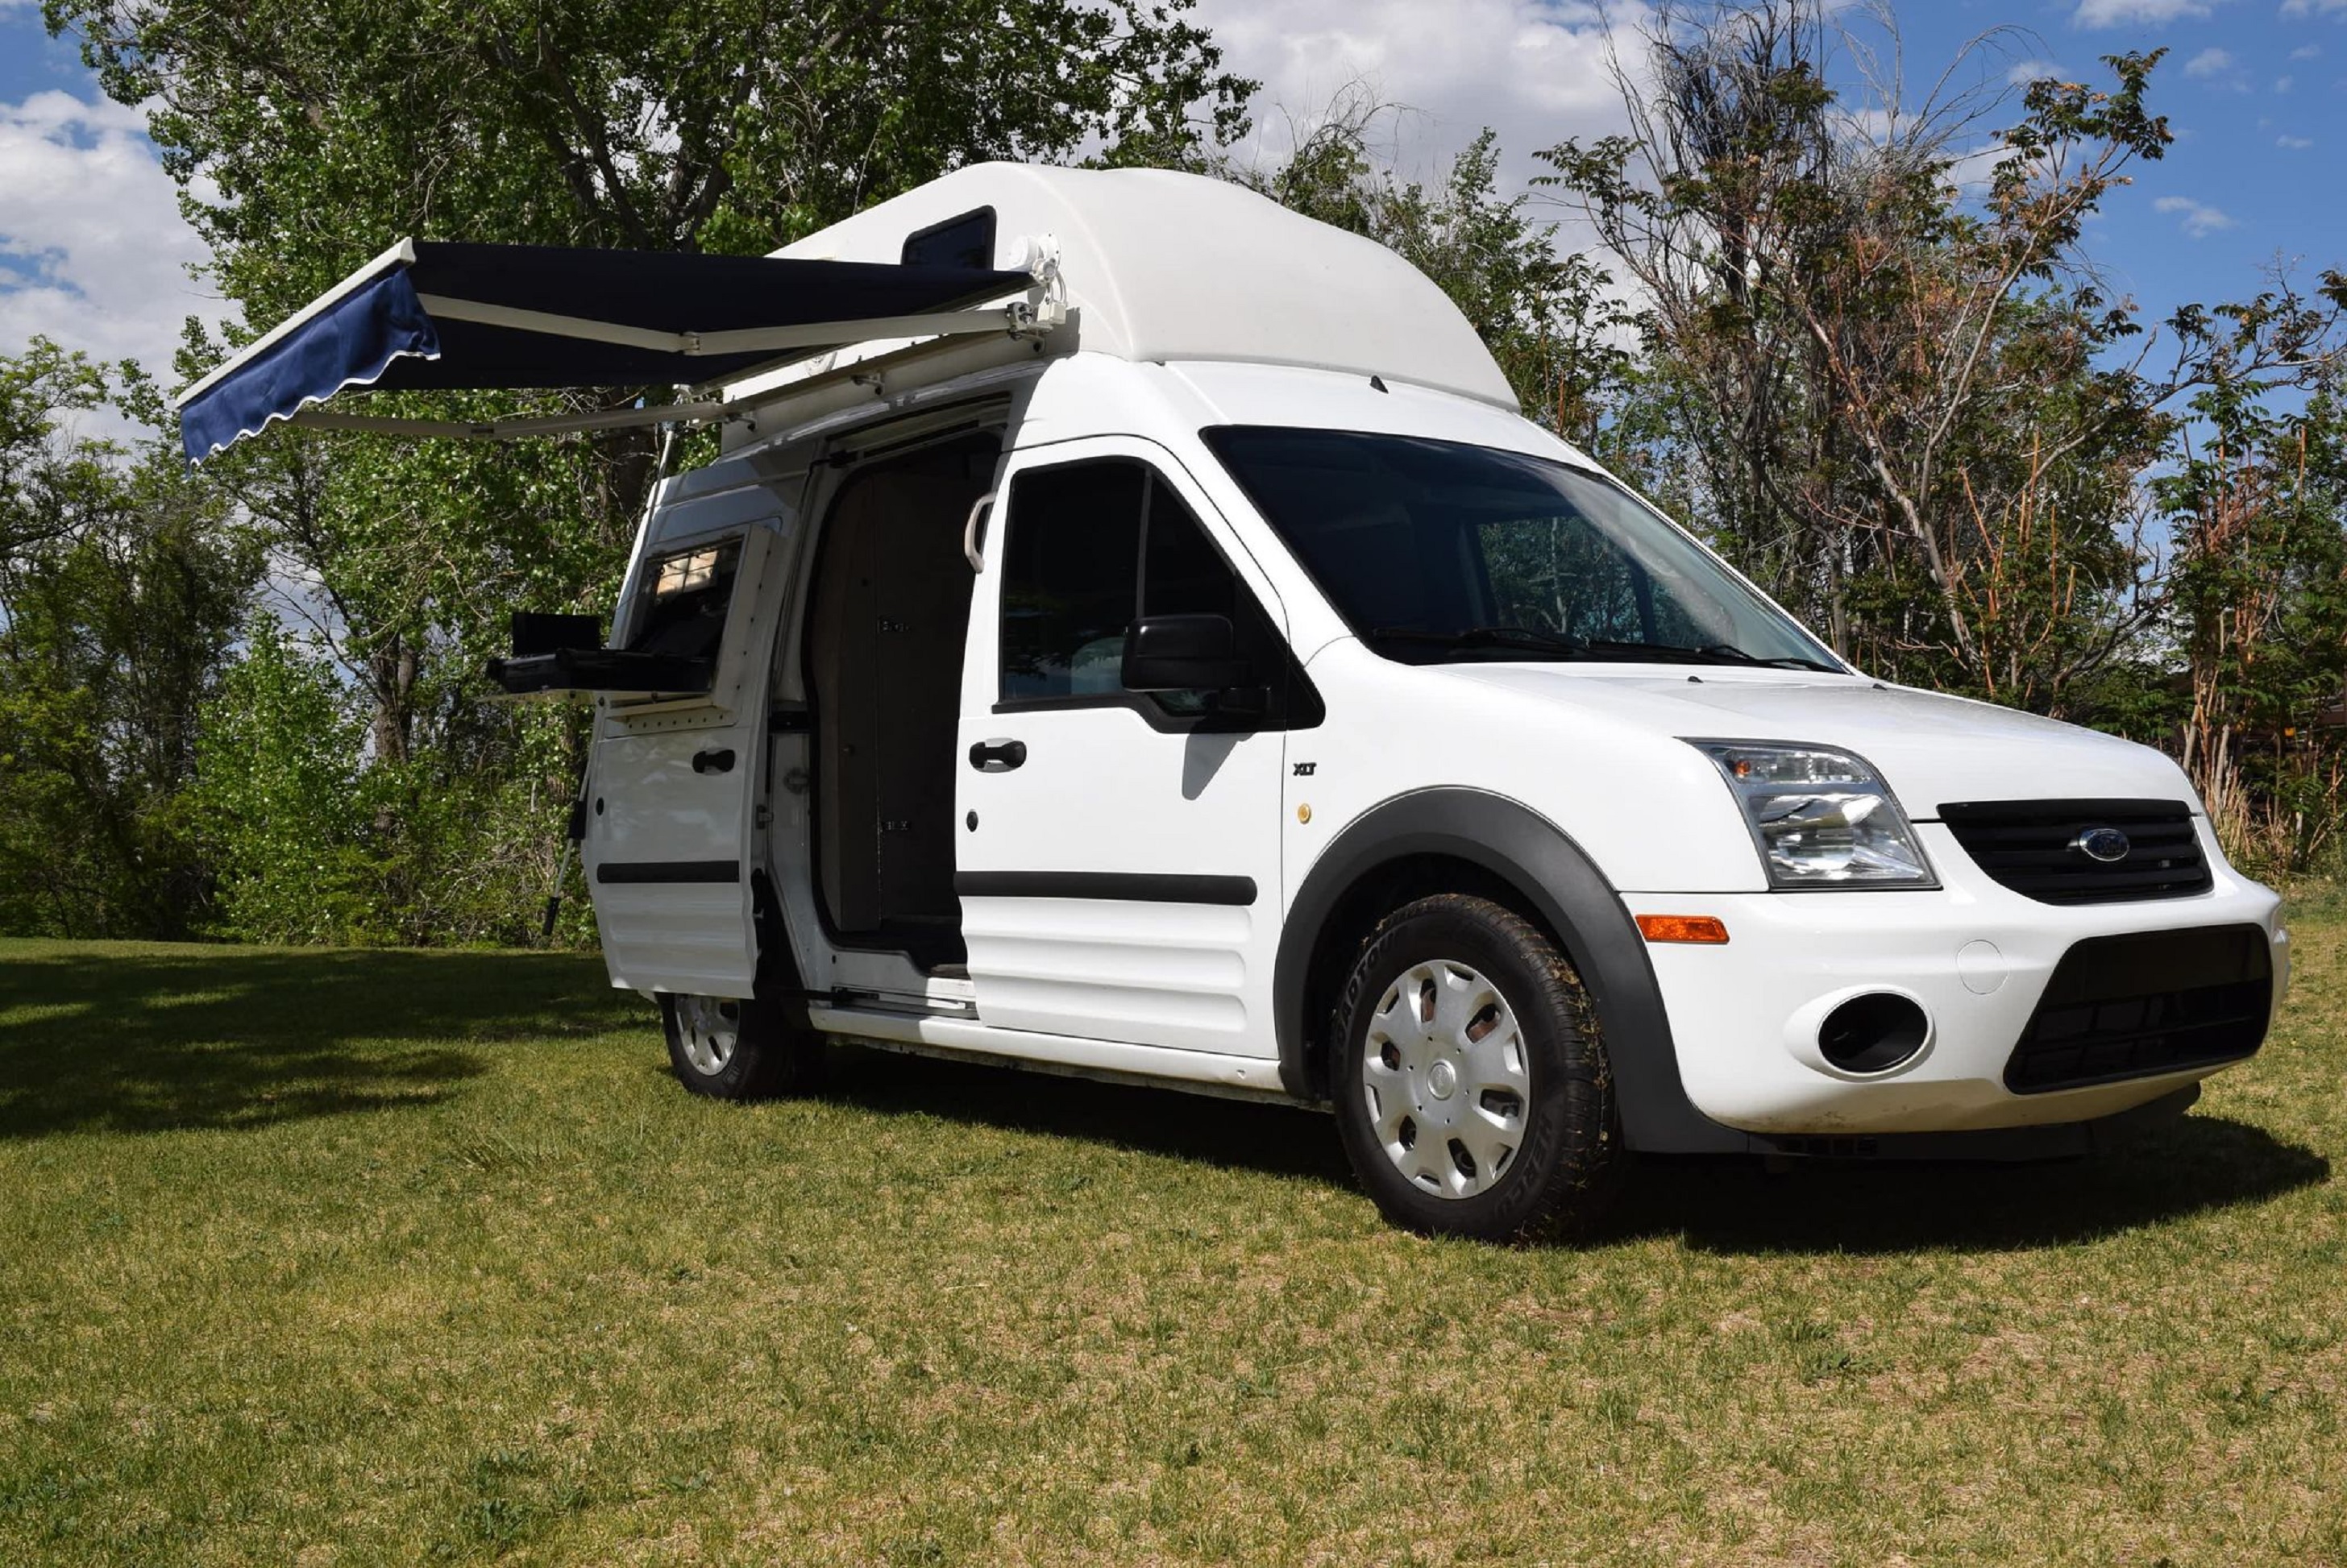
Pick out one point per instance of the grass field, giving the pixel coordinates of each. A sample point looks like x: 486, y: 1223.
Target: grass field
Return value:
x: 322, y: 1257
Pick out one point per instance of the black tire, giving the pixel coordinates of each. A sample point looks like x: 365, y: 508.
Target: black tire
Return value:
x: 770, y: 1055
x: 1560, y: 1173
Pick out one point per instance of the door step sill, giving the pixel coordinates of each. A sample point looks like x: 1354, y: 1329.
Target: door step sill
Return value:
x: 933, y: 1033
x: 946, y: 999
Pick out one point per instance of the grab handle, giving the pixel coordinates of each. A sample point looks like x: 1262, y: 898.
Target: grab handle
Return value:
x: 971, y: 538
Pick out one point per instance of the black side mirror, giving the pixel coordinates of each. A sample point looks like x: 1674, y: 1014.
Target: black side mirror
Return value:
x: 1183, y: 653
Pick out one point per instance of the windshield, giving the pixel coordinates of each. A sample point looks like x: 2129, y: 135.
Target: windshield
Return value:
x: 1435, y: 551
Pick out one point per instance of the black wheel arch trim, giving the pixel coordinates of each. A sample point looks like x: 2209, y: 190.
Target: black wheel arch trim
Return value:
x: 1572, y: 897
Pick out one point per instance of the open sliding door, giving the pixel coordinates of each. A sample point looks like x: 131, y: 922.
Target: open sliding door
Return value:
x: 676, y: 783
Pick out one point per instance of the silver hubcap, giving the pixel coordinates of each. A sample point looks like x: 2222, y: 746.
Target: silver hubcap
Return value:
x: 1445, y: 1075
x: 709, y: 1028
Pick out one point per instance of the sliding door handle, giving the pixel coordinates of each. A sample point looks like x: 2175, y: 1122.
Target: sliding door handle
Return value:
x: 713, y: 762
x: 997, y: 756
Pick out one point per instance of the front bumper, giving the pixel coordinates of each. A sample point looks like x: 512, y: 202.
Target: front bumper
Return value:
x: 1975, y: 955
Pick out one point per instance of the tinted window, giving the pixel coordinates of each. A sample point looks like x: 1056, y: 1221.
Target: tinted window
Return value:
x: 964, y: 241
x: 1071, y: 569
x: 1091, y: 546
x: 684, y: 599
x: 1438, y: 550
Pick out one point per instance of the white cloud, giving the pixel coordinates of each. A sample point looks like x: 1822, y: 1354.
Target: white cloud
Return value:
x: 2027, y: 71
x: 2311, y: 8
x: 2218, y: 67
x: 2199, y: 219
x: 93, y: 250
x: 2294, y: 143
x: 1533, y: 71
x: 2306, y: 52
x: 2127, y: 12
x: 2282, y: 84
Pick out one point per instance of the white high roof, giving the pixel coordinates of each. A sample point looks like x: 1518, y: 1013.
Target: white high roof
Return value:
x: 1166, y: 266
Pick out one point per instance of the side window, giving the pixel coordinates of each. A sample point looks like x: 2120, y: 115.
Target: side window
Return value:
x: 1070, y: 563
x: 1182, y: 574
x: 684, y: 601
x: 1090, y: 547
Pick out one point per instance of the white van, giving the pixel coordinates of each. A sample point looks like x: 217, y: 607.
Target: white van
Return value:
x: 1204, y: 676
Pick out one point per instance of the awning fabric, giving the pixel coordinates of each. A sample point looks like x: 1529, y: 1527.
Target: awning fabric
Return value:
x: 413, y: 320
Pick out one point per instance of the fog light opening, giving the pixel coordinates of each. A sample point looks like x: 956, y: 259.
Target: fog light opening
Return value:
x: 1872, y: 1033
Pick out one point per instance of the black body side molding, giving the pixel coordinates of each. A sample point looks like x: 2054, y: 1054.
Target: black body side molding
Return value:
x: 1128, y: 886
x: 669, y: 871
x: 1572, y: 898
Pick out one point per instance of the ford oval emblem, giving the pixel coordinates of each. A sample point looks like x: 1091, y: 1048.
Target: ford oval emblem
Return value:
x: 2108, y: 844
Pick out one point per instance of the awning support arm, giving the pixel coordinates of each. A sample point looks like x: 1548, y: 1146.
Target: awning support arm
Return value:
x: 520, y: 424
x: 1019, y: 317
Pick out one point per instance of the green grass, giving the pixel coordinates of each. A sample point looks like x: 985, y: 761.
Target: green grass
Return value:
x: 324, y: 1257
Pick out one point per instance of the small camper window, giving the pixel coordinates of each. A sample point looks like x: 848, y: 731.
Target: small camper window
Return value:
x: 967, y: 241
x: 686, y: 594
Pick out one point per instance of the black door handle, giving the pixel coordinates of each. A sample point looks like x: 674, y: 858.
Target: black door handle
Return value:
x: 713, y: 761
x: 997, y: 756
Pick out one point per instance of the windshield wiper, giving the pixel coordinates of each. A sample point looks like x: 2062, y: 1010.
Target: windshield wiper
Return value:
x: 1710, y: 653
x: 1565, y: 644
x: 1527, y: 636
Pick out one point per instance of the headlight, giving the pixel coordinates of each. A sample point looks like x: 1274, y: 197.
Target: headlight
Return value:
x: 1823, y: 818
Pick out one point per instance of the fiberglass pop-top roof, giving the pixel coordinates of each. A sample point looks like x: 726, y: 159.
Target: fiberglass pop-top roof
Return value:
x: 1165, y: 266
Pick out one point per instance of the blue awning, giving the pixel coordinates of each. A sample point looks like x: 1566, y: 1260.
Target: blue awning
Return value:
x: 437, y: 316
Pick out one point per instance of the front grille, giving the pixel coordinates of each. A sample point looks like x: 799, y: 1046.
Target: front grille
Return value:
x: 2032, y: 847
x: 2145, y: 1003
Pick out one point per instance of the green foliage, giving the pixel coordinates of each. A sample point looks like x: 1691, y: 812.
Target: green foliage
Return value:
x: 307, y: 134
x: 2257, y: 618
x: 281, y: 797
x: 120, y: 587
x: 314, y: 839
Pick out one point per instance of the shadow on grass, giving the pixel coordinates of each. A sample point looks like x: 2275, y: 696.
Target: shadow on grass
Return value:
x: 1725, y: 1204
x: 141, y: 1038
x: 2195, y: 1165
x: 1277, y: 1140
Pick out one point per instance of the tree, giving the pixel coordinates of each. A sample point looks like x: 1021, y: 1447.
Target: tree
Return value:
x: 121, y: 586
x: 2257, y: 507
x: 306, y: 134
x: 1880, y: 358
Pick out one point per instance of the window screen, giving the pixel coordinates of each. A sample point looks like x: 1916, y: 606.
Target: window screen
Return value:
x: 1089, y: 546
x: 684, y: 599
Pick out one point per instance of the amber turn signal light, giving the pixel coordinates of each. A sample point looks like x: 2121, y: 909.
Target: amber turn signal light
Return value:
x: 1682, y: 929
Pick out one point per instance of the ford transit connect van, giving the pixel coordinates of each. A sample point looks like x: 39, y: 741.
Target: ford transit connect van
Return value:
x: 1204, y: 676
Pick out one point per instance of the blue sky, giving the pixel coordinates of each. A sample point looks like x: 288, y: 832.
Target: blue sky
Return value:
x: 92, y: 252
x: 2256, y: 94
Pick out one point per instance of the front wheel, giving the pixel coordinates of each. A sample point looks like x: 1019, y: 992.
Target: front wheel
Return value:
x: 1471, y: 1087
x: 731, y: 1048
